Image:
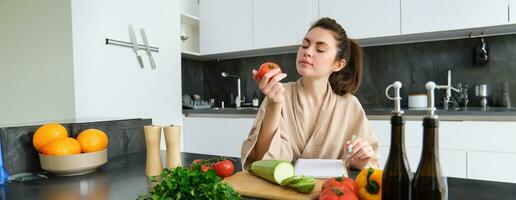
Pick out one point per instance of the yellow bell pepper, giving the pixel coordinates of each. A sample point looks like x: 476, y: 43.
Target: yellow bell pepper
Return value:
x: 369, y: 182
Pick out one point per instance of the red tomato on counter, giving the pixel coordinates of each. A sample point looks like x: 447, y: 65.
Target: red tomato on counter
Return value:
x: 224, y: 168
x: 346, y: 182
x: 336, y: 193
x: 266, y: 67
x: 205, y: 168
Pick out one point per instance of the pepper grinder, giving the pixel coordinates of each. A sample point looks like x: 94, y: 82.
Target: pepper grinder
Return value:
x: 154, y: 166
x: 172, y: 140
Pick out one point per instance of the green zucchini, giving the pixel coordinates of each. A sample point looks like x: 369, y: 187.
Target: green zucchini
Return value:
x: 272, y: 170
x: 296, y: 179
x: 305, y: 186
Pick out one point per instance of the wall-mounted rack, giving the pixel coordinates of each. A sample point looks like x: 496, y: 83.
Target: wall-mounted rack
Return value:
x: 129, y: 45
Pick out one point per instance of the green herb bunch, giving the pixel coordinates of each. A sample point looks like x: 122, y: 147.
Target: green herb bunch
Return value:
x: 184, y: 183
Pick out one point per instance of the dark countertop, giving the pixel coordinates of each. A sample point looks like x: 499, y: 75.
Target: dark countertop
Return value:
x: 380, y: 113
x: 123, y: 177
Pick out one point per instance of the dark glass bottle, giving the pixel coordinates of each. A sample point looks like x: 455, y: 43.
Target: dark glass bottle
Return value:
x: 429, y: 182
x: 396, y: 174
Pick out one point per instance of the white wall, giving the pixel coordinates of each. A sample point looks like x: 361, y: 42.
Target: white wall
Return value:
x: 108, y: 79
x: 36, y: 72
x: 190, y: 7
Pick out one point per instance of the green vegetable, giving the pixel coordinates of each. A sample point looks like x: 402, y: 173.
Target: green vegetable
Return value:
x: 295, y: 179
x: 272, y: 170
x: 304, y: 184
x: 183, y: 183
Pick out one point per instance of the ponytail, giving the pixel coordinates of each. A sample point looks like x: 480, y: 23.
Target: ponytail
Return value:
x: 349, y: 78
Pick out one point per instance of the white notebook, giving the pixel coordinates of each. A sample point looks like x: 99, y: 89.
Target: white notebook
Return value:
x: 320, y: 168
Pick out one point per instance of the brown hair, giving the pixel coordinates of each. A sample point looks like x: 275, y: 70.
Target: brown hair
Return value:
x: 348, y: 79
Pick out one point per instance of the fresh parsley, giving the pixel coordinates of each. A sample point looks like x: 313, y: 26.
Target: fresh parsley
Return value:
x: 184, y: 183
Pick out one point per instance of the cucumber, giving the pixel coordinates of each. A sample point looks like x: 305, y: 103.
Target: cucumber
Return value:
x: 272, y: 170
x: 306, y: 186
x: 290, y: 180
x: 303, y: 184
x: 296, y: 179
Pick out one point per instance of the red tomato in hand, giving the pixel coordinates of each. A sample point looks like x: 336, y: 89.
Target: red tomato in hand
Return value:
x: 224, y: 168
x: 336, y: 193
x: 266, y: 67
x: 346, y: 182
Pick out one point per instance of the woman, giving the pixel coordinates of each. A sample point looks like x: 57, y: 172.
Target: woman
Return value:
x: 316, y: 116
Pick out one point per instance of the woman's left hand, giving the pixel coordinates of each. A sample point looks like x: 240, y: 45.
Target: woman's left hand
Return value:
x: 361, y: 153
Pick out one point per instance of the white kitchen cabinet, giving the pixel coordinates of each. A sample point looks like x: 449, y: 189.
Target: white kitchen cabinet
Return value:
x: 512, y: 11
x: 215, y: 136
x: 419, y: 16
x: 480, y: 136
x: 189, y: 34
x: 225, y: 26
x: 364, y: 19
x: 283, y: 24
x: 413, y: 132
x: 492, y: 166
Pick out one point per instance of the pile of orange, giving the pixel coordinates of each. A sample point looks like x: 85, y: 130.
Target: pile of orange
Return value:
x: 52, y: 139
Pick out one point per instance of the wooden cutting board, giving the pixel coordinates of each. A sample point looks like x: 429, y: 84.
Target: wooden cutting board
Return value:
x: 252, y: 186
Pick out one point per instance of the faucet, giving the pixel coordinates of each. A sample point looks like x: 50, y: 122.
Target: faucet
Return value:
x: 448, y: 98
x: 238, y: 99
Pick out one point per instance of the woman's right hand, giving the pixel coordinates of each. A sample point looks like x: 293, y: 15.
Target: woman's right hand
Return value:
x: 271, y: 87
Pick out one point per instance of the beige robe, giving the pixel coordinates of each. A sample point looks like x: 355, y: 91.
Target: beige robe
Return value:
x: 340, y: 117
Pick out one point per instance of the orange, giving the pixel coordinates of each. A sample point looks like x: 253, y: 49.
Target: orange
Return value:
x: 62, y: 146
x: 92, y: 140
x: 47, y: 133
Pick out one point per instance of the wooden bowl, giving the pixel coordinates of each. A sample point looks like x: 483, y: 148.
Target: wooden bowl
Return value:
x: 71, y: 165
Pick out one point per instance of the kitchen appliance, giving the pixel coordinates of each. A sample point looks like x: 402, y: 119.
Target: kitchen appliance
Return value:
x: 506, y: 96
x: 481, y: 52
x: 417, y: 100
x: 482, y: 91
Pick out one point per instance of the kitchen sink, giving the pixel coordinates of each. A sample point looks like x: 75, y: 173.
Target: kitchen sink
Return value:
x: 247, y: 108
x: 489, y: 109
x: 241, y: 108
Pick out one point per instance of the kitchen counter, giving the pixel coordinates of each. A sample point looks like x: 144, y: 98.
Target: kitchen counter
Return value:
x: 123, y: 177
x: 380, y: 113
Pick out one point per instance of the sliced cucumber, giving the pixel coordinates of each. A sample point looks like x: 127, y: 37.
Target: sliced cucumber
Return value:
x: 272, y: 170
x: 303, y: 184
x: 304, y: 187
x: 293, y: 179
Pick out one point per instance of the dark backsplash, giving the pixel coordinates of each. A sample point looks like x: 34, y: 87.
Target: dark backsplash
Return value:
x: 412, y: 64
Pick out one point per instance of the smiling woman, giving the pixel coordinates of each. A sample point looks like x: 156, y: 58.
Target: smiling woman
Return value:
x: 316, y: 116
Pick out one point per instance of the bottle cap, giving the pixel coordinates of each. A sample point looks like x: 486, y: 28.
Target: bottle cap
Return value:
x: 430, y: 87
x: 397, y: 99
